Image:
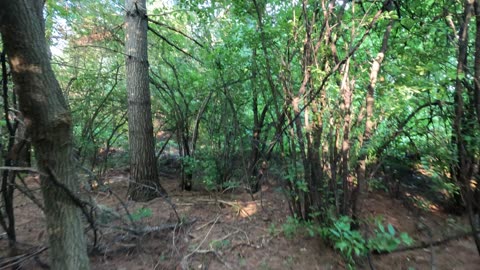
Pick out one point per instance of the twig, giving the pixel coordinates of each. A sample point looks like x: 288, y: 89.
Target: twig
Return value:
x: 123, y: 204
x: 17, y: 260
x: 175, y: 30
x: 173, y: 45
x: 28, y: 192
x: 216, y: 256
x: 21, y: 169
x: 141, y: 231
x: 184, y: 262
x: 242, y: 231
x: 206, y: 224
x: 225, y: 236
x: 163, y: 195
x: 174, y: 247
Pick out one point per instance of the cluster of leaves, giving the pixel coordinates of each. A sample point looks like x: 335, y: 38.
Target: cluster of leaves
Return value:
x: 351, y: 243
x: 348, y: 241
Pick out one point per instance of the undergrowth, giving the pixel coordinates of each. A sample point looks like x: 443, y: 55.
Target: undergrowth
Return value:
x: 350, y: 243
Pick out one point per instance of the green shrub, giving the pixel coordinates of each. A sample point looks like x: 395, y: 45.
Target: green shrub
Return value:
x: 352, y: 244
x: 349, y: 242
x: 385, y: 239
x: 291, y: 226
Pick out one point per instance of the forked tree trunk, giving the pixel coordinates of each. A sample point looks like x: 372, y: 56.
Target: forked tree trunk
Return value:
x: 49, y: 124
x: 145, y: 184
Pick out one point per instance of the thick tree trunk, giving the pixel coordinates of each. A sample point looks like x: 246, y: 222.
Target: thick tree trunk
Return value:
x: 49, y: 124
x: 145, y: 184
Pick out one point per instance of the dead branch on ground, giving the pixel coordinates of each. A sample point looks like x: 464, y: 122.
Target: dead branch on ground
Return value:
x: 15, y: 262
x: 429, y: 244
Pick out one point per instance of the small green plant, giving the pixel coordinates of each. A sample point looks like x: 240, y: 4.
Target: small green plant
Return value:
x: 352, y: 244
x: 272, y: 229
x: 219, y: 244
x: 242, y: 262
x: 162, y: 257
x: 294, y: 226
x: 264, y: 265
x: 288, y: 262
x: 291, y: 226
x: 349, y: 242
x: 385, y: 238
x: 141, y: 213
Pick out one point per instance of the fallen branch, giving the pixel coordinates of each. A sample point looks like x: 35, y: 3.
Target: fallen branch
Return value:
x: 212, y: 251
x: 20, y: 169
x: 12, y: 262
x: 427, y: 244
x: 184, y: 262
x: 162, y: 194
x: 142, y: 231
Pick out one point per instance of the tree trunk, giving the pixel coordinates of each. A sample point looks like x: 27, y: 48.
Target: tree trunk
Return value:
x: 463, y: 169
x: 361, y: 191
x: 7, y: 217
x: 145, y: 184
x: 347, y: 87
x: 49, y: 124
x: 477, y: 62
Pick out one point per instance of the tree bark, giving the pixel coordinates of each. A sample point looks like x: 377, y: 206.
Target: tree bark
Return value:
x: 49, y: 124
x: 145, y: 184
x: 346, y: 88
x: 7, y: 188
x: 463, y: 169
x: 367, y: 134
x: 477, y: 61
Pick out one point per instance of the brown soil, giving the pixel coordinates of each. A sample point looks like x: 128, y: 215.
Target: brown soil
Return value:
x: 234, y: 231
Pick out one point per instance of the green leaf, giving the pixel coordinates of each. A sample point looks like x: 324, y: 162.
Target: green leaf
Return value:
x: 406, y: 239
x: 391, y: 230
x: 342, y: 245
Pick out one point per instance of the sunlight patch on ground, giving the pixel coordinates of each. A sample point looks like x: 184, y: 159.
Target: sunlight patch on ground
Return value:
x: 242, y: 209
x: 248, y: 210
x: 422, y: 203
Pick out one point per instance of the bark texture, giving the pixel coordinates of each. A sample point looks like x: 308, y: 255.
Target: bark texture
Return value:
x: 145, y: 184
x: 464, y: 167
x: 49, y: 124
x: 367, y: 134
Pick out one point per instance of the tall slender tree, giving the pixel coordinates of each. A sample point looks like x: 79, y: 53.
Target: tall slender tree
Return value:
x: 49, y: 124
x: 145, y: 184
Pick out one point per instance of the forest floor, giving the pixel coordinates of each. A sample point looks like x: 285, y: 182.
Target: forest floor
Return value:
x: 235, y: 231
